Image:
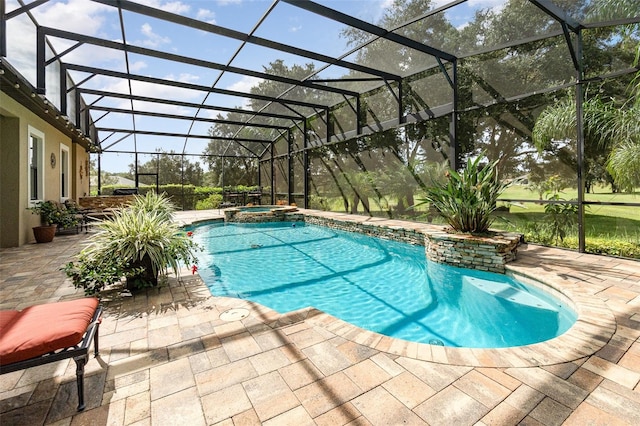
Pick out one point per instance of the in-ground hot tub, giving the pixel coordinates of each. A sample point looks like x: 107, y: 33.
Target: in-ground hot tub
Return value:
x: 260, y: 214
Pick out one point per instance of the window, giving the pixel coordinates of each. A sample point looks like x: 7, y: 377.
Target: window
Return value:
x: 65, y: 174
x: 36, y: 165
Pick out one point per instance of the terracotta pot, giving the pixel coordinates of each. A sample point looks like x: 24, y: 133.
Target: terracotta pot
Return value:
x: 44, y: 234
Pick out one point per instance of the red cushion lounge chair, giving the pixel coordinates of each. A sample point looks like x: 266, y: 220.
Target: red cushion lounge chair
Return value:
x: 50, y: 332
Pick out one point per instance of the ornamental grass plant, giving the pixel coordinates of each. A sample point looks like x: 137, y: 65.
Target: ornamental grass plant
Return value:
x: 159, y: 204
x: 138, y: 243
x: 467, y: 198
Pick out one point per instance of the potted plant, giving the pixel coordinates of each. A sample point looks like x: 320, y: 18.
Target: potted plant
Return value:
x: 138, y: 242
x: 53, y: 216
x: 49, y: 216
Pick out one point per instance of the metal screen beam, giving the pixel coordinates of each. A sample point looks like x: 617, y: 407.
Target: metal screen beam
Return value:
x: 23, y: 9
x: 184, y: 117
x: 179, y: 135
x: 105, y: 94
x: 548, y: 7
x: 3, y: 30
x: 188, y: 60
x: 237, y: 35
x: 369, y: 28
x: 197, y: 87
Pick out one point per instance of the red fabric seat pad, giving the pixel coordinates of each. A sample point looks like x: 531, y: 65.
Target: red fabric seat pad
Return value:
x: 41, y: 329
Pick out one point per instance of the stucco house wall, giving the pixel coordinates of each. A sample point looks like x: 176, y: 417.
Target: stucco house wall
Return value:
x: 16, y: 121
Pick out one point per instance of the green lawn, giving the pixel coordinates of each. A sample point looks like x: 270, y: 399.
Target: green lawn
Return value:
x: 596, y: 225
x: 628, y: 212
x: 613, y: 230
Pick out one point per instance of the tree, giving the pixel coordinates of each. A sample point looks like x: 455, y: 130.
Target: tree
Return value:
x: 230, y: 163
x: 611, y: 125
x: 106, y: 178
x: 171, y: 168
x: 624, y: 161
x: 611, y: 134
x: 242, y: 169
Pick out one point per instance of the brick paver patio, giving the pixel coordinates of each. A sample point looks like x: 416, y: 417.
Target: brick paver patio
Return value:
x: 177, y: 355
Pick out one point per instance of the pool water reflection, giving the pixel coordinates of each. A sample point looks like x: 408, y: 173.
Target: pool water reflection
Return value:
x: 383, y: 286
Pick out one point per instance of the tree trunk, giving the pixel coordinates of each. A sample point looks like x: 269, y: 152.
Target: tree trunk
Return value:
x: 354, y: 204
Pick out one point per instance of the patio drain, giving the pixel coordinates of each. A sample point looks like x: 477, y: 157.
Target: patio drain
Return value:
x: 235, y: 314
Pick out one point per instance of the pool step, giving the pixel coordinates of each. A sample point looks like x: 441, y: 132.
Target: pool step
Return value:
x: 510, y: 293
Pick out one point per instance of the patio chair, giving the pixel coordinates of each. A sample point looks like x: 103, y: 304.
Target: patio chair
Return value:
x: 50, y: 332
x: 81, y: 214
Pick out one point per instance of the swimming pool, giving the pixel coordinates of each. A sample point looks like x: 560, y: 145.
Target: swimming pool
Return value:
x: 383, y: 286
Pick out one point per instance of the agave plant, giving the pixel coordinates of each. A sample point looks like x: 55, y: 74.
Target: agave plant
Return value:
x: 467, y: 198
x: 139, y: 243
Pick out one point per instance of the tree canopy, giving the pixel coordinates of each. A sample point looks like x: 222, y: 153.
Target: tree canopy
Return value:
x: 170, y: 168
x: 501, y: 94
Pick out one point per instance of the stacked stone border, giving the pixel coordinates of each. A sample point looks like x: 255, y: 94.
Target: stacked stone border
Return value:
x: 395, y: 233
x: 484, y: 253
x: 490, y: 253
x: 101, y: 202
x: 277, y: 214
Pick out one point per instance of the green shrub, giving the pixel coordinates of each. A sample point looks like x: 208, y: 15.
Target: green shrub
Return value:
x: 613, y: 247
x: 184, y: 197
x: 207, y: 190
x: 318, y: 203
x: 560, y: 217
x: 93, y: 273
x: 467, y: 199
x: 211, y: 202
x: 53, y: 213
x: 610, y: 246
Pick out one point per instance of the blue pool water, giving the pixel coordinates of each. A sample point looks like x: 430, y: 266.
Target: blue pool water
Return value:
x: 257, y: 209
x: 383, y: 286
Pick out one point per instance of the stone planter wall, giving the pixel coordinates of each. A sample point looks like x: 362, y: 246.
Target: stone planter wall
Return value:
x: 474, y: 252
x: 231, y: 215
x: 395, y: 233
x: 105, y: 201
x: 462, y: 250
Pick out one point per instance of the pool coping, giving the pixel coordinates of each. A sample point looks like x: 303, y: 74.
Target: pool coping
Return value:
x: 593, y: 329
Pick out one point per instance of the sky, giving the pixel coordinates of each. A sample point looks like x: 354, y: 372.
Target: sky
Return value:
x: 286, y: 24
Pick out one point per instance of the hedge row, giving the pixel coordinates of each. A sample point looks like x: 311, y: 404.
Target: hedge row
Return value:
x: 185, y: 197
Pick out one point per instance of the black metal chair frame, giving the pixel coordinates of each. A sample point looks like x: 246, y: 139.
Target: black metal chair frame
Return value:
x: 79, y: 353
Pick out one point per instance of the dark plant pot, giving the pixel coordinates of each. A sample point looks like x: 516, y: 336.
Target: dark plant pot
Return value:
x: 146, y: 279
x: 44, y: 234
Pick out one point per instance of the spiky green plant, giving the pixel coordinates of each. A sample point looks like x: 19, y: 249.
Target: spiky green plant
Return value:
x: 157, y: 203
x: 131, y: 235
x: 624, y: 164
x: 134, y: 243
x: 467, y: 198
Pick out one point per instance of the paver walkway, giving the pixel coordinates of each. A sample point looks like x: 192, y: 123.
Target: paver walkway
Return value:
x: 176, y: 355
